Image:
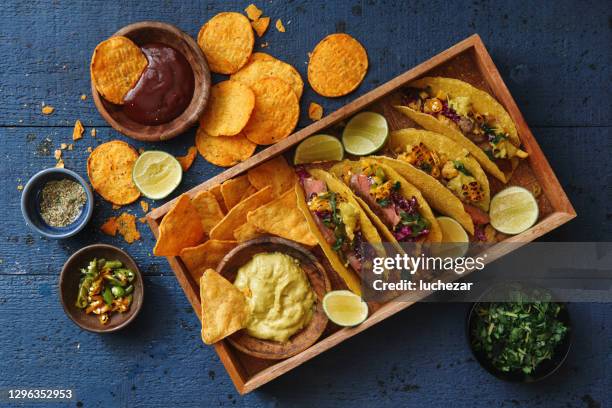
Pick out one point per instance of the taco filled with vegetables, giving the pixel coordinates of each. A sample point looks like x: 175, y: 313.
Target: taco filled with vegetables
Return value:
x: 470, y: 117
x: 338, y: 223
x: 396, y: 207
x: 450, y: 179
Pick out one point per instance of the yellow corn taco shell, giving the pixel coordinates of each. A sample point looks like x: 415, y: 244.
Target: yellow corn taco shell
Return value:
x: 368, y: 230
x: 406, y: 189
x: 480, y: 101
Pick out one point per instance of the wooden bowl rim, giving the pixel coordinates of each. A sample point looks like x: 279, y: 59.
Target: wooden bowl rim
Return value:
x: 185, y: 120
x: 236, y: 338
x: 138, y: 290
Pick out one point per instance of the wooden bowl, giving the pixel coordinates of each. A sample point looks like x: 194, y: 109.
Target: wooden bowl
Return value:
x: 69, y: 286
x: 152, y: 31
x: 268, y: 349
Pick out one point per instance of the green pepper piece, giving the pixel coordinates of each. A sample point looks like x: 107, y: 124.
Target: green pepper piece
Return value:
x: 113, y: 264
x: 81, y: 301
x: 130, y: 275
x: 129, y: 289
x: 107, y: 296
x: 122, y: 275
x: 118, y: 291
x: 112, y: 280
x: 129, y: 298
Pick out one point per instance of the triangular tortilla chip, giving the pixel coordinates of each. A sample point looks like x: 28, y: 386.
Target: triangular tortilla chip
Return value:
x: 246, y: 232
x: 208, y: 208
x: 180, y: 228
x: 233, y: 190
x: 237, y: 216
x: 283, y: 218
x: 205, y: 256
x: 276, y: 173
x: 224, y: 307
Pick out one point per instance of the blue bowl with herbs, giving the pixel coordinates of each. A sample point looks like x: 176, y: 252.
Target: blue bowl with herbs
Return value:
x: 57, y: 203
x: 519, y: 333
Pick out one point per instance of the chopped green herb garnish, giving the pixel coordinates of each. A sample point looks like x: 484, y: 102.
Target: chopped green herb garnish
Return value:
x: 461, y: 167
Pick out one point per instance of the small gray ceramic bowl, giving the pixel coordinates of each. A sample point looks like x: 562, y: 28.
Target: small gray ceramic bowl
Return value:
x: 30, y: 203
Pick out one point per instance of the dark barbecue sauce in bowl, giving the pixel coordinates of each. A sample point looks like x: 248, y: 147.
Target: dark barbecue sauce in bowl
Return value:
x: 165, y: 88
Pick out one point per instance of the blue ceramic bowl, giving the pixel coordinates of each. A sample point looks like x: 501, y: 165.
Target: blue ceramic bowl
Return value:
x: 30, y: 203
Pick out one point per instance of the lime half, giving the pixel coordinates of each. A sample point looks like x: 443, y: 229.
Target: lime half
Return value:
x: 513, y: 210
x: 345, y: 308
x: 365, y: 133
x: 157, y: 174
x: 455, y: 241
x: 318, y: 148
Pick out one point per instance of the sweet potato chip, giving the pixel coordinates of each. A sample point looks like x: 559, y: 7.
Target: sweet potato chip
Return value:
x: 337, y: 65
x: 180, y: 228
x: 145, y: 206
x: 261, y: 25
x: 206, y: 255
x: 264, y: 68
x: 227, y: 41
x: 275, y: 173
x: 260, y: 56
x: 224, y: 151
x: 126, y: 226
x: 109, y: 168
x: 233, y: 190
x: 229, y: 108
x: 276, y: 111
x: 237, y: 216
x: 246, y: 232
x: 187, y: 160
x: 216, y: 191
x: 78, y: 130
x: 279, y: 26
x: 116, y: 66
x: 283, y: 218
x: 253, y: 12
x: 208, y: 208
x: 315, y: 111
x: 224, y: 307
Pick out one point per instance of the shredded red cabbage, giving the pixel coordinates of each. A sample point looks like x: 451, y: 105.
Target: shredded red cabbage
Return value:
x: 479, y: 232
x: 449, y: 112
x: 409, y: 206
x: 301, y: 173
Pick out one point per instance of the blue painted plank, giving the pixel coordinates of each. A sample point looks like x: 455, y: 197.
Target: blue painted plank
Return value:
x: 554, y: 63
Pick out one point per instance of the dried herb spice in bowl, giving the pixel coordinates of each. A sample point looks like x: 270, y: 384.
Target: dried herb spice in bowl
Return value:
x: 524, y: 338
x: 61, y: 202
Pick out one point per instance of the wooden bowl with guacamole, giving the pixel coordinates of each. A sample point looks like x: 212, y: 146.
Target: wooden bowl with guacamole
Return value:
x: 285, y: 285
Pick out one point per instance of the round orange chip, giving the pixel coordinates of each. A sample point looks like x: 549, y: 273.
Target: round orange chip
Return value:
x: 109, y: 168
x: 224, y: 151
x: 229, y: 109
x: 264, y: 67
x: 227, y: 41
x: 337, y: 65
x: 276, y: 111
x: 116, y: 66
x: 260, y: 56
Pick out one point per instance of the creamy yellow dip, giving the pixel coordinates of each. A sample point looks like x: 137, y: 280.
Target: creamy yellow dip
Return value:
x: 278, y: 294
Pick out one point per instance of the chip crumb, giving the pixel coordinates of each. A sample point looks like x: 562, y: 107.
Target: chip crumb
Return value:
x: 116, y: 207
x: 94, y: 132
x: 47, y: 110
x: 126, y: 226
x: 279, y: 26
x: 264, y: 45
x: 63, y: 146
x: 83, y: 97
x: 144, y: 205
x: 142, y: 220
x: 253, y: 12
x: 187, y: 160
x: 60, y: 164
x: 19, y: 187
x: 89, y: 149
x: 110, y: 226
x: 78, y: 130
x: 57, y: 154
x: 261, y: 25
x: 315, y: 111
x: 70, y: 146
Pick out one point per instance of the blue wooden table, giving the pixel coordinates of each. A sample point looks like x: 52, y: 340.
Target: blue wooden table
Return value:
x: 555, y: 58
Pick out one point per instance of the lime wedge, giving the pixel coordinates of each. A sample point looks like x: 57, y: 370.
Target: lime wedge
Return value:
x: 345, y: 308
x: 318, y: 148
x: 513, y: 210
x: 365, y: 133
x: 156, y: 174
x: 455, y: 241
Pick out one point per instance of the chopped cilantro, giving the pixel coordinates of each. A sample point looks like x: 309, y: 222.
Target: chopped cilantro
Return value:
x: 461, y: 167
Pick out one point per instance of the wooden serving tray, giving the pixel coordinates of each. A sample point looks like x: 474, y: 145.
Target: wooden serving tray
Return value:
x: 468, y: 61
